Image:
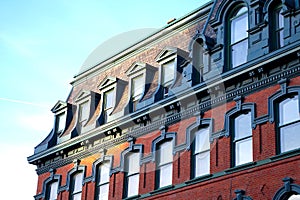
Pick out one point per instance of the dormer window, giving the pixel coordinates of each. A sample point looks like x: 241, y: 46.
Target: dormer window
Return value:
x: 171, y: 61
x: 140, y: 77
x: 111, y: 89
x: 238, y: 48
x: 60, y: 110
x: 108, y: 103
x: 137, y: 89
x: 83, y: 113
x: 168, y: 75
x: 87, y: 104
x: 60, y: 122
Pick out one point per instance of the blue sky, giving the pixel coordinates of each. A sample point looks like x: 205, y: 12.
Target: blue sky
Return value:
x: 42, y: 46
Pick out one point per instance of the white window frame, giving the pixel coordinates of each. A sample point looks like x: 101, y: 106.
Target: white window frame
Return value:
x: 239, y: 139
x: 102, y: 181
x: 165, y: 165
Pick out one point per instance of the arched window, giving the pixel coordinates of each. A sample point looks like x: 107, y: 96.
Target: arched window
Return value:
x: 239, y: 122
x: 52, y: 190
x: 289, y: 191
x: 76, y: 185
x: 288, y: 123
x: 132, y: 176
x: 164, y: 164
x: 276, y: 26
x: 242, y: 139
x: 201, y: 153
x: 102, y: 181
x: 238, y: 37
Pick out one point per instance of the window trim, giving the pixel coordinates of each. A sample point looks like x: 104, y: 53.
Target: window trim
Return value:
x: 190, y: 134
x: 135, y: 70
x: 235, y: 141
x: 166, y: 86
x: 273, y: 103
x: 48, y: 181
x: 71, y: 173
x: 166, y: 55
x: 107, y: 84
x: 164, y: 137
x: 107, y: 111
x: 60, y: 108
x: 287, y: 190
x: 228, y: 125
x: 274, y: 28
x: 133, y: 148
x: 92, y: 99
x: 230, y: 16
x: 96, y: 165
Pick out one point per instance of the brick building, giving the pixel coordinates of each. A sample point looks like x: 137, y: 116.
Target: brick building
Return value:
x: 204, y: 108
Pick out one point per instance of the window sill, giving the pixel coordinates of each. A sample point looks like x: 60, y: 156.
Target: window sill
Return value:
x: 132, y: 197
x: 240, y: 167
x: 287, y: 154
x: 199, y: 179
x: 162, y: 189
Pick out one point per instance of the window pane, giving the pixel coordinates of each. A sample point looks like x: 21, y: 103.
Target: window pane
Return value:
x: 239, y: 27
x: 165, y: 175
x: 133, y: 163
x: 77, y: 196
x: 289, y: 110
x: 165, y: 151
x: 294, y: 197
x: 137, y: 87
x: 242, y: 125
x: 202, y: 164
x: 108, y: 99
x: 243, y: 151
x: 280, y: 23
x: 84, y: 112
x: 239, y: 53
x: 168, y: 73
x: 280, y: 38
x: 202, y: 140
x: 53, y: 190
x: 104, y: 171
x: 77, y: 178
x: 290, y: 137
x: 61, y: 119
x: 103, y: 192
x: 133, y: 185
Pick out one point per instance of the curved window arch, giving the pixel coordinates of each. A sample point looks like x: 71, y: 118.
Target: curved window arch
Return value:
x: 198, y: 140
x: 101, y: 175
x: 239, y: 123
x: 162, y: 150
x: 132, y: 174
x: 130, y: 165
x: 242, y: 138
x: 284, y: 110
x: 289, y: 191
x: 75, y: 181
x: 52, y: 190
x: 288, y: 123
x: 238, y: 37
x: 102, y: 181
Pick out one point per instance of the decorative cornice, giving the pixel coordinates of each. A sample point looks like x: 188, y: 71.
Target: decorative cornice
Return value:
x: 183, y: 114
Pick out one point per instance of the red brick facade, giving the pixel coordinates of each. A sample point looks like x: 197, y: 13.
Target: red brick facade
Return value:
x: 257, y: 86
